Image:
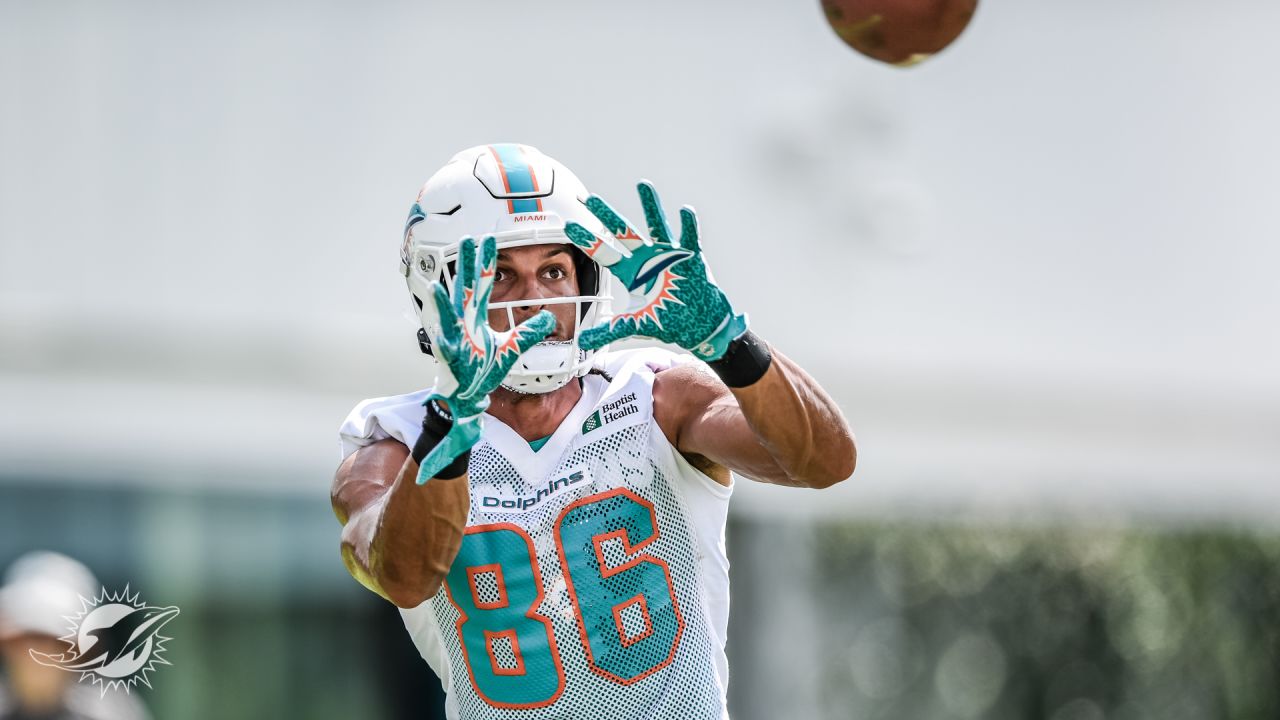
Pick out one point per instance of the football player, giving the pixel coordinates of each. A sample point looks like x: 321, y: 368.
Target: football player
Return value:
x: 550, y: 516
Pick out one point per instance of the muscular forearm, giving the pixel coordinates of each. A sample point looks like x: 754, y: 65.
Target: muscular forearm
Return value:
x: 402, y: 542
x: 799, y: 425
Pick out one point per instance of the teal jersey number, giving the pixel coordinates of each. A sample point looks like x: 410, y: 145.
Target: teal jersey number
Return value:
x: 510, y: 649
x: 607, y: 594
x: 626, y: 611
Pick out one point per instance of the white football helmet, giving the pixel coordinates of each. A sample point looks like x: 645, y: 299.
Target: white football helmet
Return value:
x: 521, y: 197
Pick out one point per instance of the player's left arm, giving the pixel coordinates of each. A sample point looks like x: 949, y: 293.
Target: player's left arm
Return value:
x: 783, y: 428
x: 765, y: 418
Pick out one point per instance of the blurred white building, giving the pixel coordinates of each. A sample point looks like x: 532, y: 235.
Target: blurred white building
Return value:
x: 1038, y: 271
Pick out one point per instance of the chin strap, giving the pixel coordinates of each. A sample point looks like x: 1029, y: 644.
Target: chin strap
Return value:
x: 560, y: 361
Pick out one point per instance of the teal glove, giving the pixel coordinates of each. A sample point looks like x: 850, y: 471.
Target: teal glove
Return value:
x: 473, y: 358
x: 673, y: 298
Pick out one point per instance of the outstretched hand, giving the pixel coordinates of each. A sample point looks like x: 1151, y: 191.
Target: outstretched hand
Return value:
x: 672, y: 295
x: 474, y: 359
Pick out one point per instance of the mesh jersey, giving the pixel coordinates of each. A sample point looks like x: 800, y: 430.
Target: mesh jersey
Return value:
x: 592, y: 581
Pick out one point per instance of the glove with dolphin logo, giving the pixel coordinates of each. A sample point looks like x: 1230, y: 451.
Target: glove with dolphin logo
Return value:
x: 474, y: 359
x: 673, y: 298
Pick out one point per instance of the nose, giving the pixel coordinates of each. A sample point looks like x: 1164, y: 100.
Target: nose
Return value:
x: 524, y: 312
x: 528, y: 288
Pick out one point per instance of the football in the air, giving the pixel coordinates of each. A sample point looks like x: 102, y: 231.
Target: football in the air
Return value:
x: 899, y: 32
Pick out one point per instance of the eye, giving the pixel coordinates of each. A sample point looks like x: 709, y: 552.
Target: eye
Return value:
x: 556, y: 273
x: 499, y: 275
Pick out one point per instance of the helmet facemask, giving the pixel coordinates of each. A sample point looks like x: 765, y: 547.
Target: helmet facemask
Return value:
x: 550, y: 364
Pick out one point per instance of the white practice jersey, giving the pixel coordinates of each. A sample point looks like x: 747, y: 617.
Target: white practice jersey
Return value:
x: 592, y: 582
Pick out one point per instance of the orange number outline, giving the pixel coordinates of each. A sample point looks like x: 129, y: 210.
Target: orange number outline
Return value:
x: 606, y: 572
x: 532, y: 614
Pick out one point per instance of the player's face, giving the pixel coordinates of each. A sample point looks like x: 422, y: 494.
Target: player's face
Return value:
x: 536, y: 272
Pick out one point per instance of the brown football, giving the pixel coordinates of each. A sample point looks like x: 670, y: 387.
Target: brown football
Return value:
x: 899, y: 32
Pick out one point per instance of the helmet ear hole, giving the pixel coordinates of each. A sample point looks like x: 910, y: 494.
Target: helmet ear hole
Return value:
x: 424, y: 342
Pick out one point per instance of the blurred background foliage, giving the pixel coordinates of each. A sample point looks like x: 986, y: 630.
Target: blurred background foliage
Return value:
x: 1067, y: 623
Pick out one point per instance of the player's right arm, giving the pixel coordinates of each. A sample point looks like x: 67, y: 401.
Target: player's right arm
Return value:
x: 403, y: 511
x: 398, y: 538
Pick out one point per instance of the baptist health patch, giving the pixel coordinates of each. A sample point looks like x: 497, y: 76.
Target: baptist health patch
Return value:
x: 612, y: 411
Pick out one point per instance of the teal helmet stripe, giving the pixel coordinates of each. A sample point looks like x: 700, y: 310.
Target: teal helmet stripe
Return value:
x: 517, y: 177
